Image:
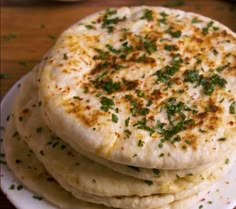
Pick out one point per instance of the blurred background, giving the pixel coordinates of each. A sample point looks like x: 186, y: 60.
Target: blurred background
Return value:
x: 29, y: 28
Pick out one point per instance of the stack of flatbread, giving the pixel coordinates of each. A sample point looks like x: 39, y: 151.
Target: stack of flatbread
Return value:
x: 132, y: 108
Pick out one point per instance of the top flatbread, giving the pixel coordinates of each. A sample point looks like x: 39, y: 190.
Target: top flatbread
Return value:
x: 143, y: 86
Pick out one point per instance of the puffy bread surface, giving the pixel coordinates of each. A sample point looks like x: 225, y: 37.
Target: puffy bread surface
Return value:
x: 143, y: 86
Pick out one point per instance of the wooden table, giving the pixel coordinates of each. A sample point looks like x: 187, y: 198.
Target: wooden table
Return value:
x: 29, y: 29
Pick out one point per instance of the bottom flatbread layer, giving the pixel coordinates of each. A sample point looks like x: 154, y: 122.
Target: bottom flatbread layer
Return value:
x: 34, y: 176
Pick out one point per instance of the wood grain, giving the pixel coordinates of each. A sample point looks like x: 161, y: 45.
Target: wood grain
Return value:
x: 28, y: 28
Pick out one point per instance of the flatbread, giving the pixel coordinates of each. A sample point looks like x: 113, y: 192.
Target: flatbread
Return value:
x: 28, y: 169
x: 86, y: 179
x: 143, y: 86
x: 33, y: 175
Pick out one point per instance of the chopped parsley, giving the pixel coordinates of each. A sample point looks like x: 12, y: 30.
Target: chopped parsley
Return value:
x: 108, y: 21
x: 37, y: 197
x: 89, y: 26
x: 149, y: 183
x: 149, y: 45
x: 174, y: 34
x: 114, y: 118
x: 221, y: 139
x: 195, y: 20
x: 134, y: 168
x: 205, y: 30
x: 232, y: 108
x: 191, y: 76
x: 65, y: 57
x: 142, y: 125
x: 127, y: 122
x: 156, y: 171
x: 127, y: 133
x: 39, y: 129
x: 227, y: 161
x: 147, y: 15
x: 52, y: 37
x: 9, y: 36
x: 23, y: 63
x: 140, y: 143
x: 106, y: 104
x: 223, y: 67
x: 170, y: 47
x: 4, y: 75
x: 109, y: 86
x: 208, y: 83
x: 163, y: 18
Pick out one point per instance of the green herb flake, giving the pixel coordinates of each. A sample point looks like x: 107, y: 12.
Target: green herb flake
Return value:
x: 176, y: 3
x: 39, y: 129
x: 187, y: 142
x: 89, y: 26
x: 149, y: 183
x: 195, y: 20
x: 232, y: 108
x: 40, y: 103
x: 9, y: 36
x: 139, y: 93
x: 4, y: 75
x: 140, y: 143
x: 127, y: 133
x: 12, y: 187
x: 147, y: 15
x: 20, y: 118
x: 23, y: 63
x: 76, y: 97
x: 150, y: 46
x: 200, y: 207
x: 127, y: 122
x: 162, y: 155
x: 114, y: 118
x: 107, y: 104
x: 223, y: 67
x: 19, y: 187
x: 222, y: 139
x: 65, y: 57
x: 205, y: 30
x: 227, y: 161
x: 37, y: 197
x: 41, y: 152
x: 109, y: 86
x: 134, y: 168
x: 157, y: 172
x: 85, y: 89
x: 191, y: 76
x: 170, y: 48
x: 52, y: 37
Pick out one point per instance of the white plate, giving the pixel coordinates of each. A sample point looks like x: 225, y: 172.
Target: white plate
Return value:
x: 221, y: 196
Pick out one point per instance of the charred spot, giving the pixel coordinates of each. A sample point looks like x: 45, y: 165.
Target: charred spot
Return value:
x: 130, y: 85
x: 25, y: 111
x: 98, y: 68
x: 157, y: 94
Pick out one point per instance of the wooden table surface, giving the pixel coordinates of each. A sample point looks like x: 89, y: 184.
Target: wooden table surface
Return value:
x: 29, y: 29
